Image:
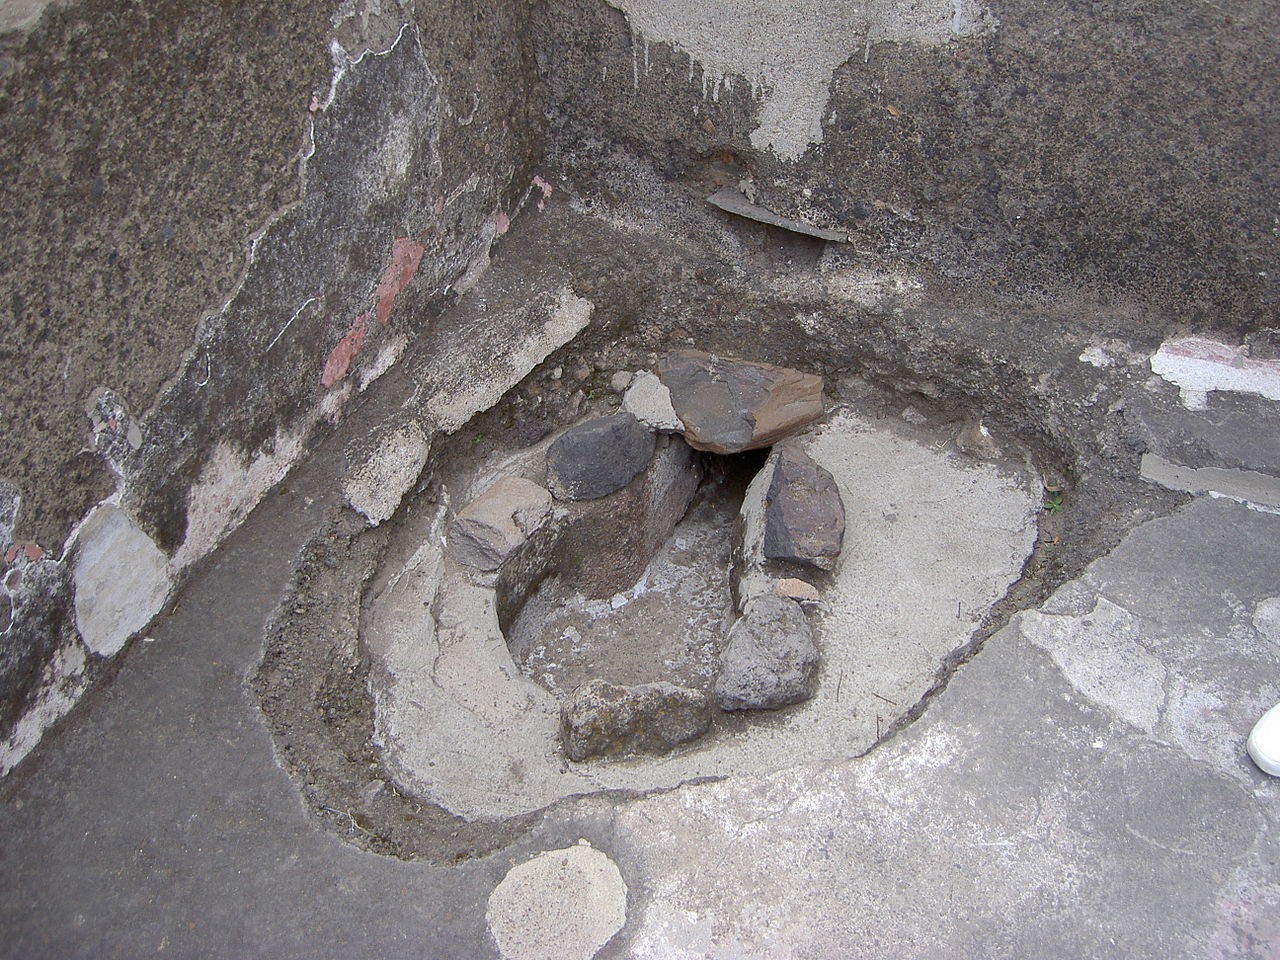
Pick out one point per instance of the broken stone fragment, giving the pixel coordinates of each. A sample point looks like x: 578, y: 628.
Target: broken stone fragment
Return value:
x: 771, y: 659
x: 385, y: 467
x: 649, y: 401
x: 801, y: 591
x: 605, y: 719
x: 599, y: 457
x: 803, y: 514
x: 495, y: 524
x: 728, y: 406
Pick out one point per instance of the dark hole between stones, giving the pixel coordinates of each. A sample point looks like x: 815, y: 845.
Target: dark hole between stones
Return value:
x: 670, y: 624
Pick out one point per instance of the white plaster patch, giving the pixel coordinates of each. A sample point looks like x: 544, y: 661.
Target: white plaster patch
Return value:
x: 1258, y: 490
x: 387, y: 356
x: 788, y: 50
x: 121, y: 579
x: 1097, y: 357
x: 376, y: 486
x: 1198, y: 366
x: 1100, y: 655
x: 649, y: 401
x: 228, y: 488
x: 561, y: 905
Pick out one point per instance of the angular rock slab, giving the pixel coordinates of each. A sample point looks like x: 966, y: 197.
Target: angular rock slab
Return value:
x: 599, y: 457
x: 498, y: 522
x: 728, y: 406
x: 771, y: 660
x: 605, y: 719
x: 803, y: 514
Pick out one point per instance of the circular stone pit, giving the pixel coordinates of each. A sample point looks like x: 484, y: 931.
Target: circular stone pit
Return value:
x: 934, y: 540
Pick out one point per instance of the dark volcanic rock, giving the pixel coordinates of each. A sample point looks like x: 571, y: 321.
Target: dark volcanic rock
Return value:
x: 599, y: 457
x: 803, y: 516
x: 604, y: 719
x: 771, y: 659
x: 728, y: 406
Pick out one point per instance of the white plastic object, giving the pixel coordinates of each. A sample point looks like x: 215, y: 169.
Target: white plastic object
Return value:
x: 1264, y: 742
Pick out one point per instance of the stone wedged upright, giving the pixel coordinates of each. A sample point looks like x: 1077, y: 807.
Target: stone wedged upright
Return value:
x: 771, y: 659
x: 803, y: 514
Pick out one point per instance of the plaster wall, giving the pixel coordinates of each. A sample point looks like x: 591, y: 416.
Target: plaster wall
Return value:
x: 220, y: 224
x: 1118, y: 151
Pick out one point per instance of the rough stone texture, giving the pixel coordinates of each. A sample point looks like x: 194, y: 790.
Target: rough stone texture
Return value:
x: 560, y: 905
x: 607, y: 542
x: 771, y: 659
x: 975, y: 439
x: 221, y: 224
x: 728, y: 406
x: 938, y: 106
x: 498, y: 522
x: 803, y: 514
x: 604, y: 719
x: 649, y: 401
x: 386, y: 468
x: 594, y: 459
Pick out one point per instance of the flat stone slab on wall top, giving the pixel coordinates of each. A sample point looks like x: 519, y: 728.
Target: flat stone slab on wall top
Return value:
x: 728, y: 406
x: 599, y: 457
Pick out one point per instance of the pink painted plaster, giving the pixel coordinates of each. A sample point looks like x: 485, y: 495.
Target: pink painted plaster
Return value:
x: 406, y: 254
x: 339, y: 360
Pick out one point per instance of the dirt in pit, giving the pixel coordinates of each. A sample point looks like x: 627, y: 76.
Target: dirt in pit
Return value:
x: 671, y: 625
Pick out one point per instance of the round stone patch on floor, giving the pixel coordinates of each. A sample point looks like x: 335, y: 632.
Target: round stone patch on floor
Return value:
x: 561, y: 905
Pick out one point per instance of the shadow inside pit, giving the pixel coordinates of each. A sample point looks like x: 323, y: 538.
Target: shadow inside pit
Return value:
x: 670, y: 624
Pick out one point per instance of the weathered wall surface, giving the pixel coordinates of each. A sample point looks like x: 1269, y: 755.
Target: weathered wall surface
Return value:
x: 1117, y: 149
x: 220, y: 223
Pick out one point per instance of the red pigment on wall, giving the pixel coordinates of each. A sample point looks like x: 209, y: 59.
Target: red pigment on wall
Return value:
x: 340, y: 357
x: 501, y: 223
x: 406, y: 254
x: 29, y: 550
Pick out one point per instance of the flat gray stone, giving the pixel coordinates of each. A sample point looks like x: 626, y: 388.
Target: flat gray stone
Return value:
x: 771, y: 660
x: 605, y: 719
x: 598, y: 457
x: 803, y: 514
x: 727, y: 406
x: 495, y: 524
